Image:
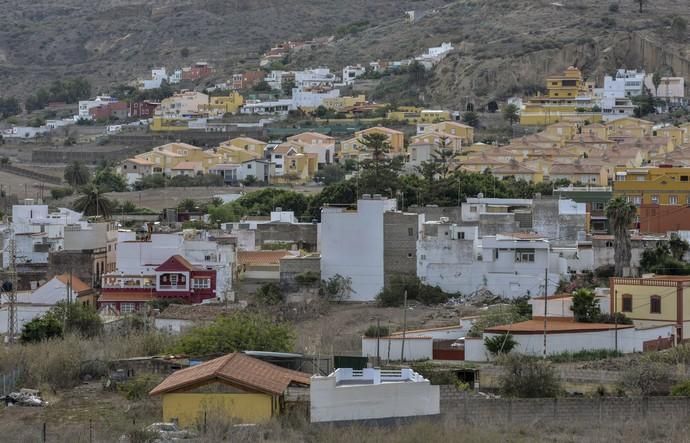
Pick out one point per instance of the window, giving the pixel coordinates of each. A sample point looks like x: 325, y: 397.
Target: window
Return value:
x: 655, y: 199
x: 410, y: 232
x: 672, y: 199
x: 127, y: 308
x: 524, y: 255
x: 683, y: 178
x: 461, y: 235
x: 473, y: 209
x: 201, y: 283
x: 173, y: 279
x: 609, y: 244
x: 627, y: 303
x: 278, y: 156
x: 655, y: 304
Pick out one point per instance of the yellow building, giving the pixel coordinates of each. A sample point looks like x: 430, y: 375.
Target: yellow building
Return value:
x: 592, y: 174
x: 564, y: 130
x: 566, y: 94
x: 234, y: 386
x: 660, y: 300
x: 247, y: 144
x: 519, y: 171
x: 411, y: 114
x: 169, y: 124
x: 339, y: 104
x: 220, y: 105
x: 629, y: 127
x: 450, y: 129
x: 182, y: 104
x: 164, y: 158
x: 676, y: 134
x: 396, y: 140
x: 653, y: 185
x: 596, y: 130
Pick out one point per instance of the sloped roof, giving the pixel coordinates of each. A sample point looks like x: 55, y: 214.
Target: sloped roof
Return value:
x: 139, y: 161
x: 236, y: 369
x: 77, y: 284
x: 176, y: 262
x: 187, y: 166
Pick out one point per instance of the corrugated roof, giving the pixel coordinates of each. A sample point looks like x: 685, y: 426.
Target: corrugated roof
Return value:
x: 236, y: 369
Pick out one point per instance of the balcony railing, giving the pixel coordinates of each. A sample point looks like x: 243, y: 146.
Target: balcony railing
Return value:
x: 173, y: 287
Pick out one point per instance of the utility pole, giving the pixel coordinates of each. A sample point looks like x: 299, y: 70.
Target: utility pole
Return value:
x: 378, y: 342
x: 12, y: 296
x: 546, y: 299
x: 402, y: 348
x: 615, y: 318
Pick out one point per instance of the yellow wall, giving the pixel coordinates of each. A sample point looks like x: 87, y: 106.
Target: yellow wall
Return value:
x: 543, y: 117
x: 189, y: 408
x: 641, y: 302
x: 226, y: 104
x: 662, y: 183
x: 339, y: 103
x: 167, y: 124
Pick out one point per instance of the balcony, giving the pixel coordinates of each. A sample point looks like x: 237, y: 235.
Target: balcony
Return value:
x: 172, y: 287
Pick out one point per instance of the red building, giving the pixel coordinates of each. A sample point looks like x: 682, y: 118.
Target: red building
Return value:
x: 107, y: 111
x: 661, y: 219
x: 248, y: 79
x: 175, y: 279
x: 144, y: 109
x: 197, y: 71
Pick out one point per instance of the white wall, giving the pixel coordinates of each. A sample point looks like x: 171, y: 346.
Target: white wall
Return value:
x: 173, y: 326
x: 390, y: 347
x: 25, y: 313
x: 329, y: 402
x: 475, y: 349
x: 352, y: 246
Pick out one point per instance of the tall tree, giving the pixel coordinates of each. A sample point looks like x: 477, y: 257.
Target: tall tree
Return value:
x: 511, y: 113
x: 377, y: 144
x: 92, y: 202
x: 77, y: 174
x: 621, y: 214
x: 585, y: 306
x: 656, y: 81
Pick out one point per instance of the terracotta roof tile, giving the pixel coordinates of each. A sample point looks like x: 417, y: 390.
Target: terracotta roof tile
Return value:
x: 260, y: 257
x: 237, y: 369
x: 77, y: 284
x: 553, y: 327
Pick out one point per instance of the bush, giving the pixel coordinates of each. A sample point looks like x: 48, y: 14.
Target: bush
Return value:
x: 646, y: 377
x: 269, y: 294
x: 377, y: 331
x: 138, y: 388
x: 336, y: 289
x: 497, y: 315
x: 237, y: 332
x: 500, y: 344
x: 58, y: 193
x: 394, y: 293
x: 528, y: 377
x: 585, y: 355
x: 308, y: 278
x: 681, y: 389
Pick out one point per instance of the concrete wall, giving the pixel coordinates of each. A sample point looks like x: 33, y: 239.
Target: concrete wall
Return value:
x: 499, y: 223
x: 400, y: 234
x: 475, y: 349
x: 302, y: 235
x: 352, y: 245
x: 292, y: 267
x: 390, y: 347
x: 554, y: 410
x: 172, y: 325
x: 331, y: 403
x: 558, y: 219
x: 431, y: 213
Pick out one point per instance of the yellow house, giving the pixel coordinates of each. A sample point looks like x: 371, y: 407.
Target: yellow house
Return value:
x: 219, y: 105
x: 339, y: 104
x: 451, y: 129
x: 396, y: 140
x: 564, y: 130
x: 315, y: 143
x: 452, y: 141
x: 653, y: 185
x: 168, y: 124
x: 182, y: 104
x: 168, y: 156
x: 685, y: 127
x: 246, y: 144
x: 593, y: 174
x: 660, y: 300
x: 411, y: 114
x: 676, y: 134
x: 629, y: 127
x: 596, y: 130
x: 302, y: 166
x: 234, y: 386
x: 521, y: 172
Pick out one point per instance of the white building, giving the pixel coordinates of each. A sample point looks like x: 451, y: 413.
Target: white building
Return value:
x: 139, y: 255
x: 278, y: 107
x: 670, y: 88
x: 625, y: 83
x: 390, y: 348
x: 312, y: 78
x: 25, y: 132
x: 352, y: 245
x: 38, y: 232
x: 86, y: 105
x: 350, y: 73
x: 370, y: 394
x: 434, y: 55
x: 275, y: 79
x: 302, y: 98
x: 509, y: 265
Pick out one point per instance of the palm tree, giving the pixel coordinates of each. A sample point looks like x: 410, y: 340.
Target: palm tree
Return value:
x: 77, y: 174
x: 93, y: 203
x: 621, y: 214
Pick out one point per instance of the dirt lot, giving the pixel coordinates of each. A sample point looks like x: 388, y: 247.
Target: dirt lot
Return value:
x: 23, y: 187
x: 76, y: 415
x: 342, y: 326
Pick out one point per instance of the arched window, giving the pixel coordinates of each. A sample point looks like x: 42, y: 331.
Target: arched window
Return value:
x: 655, y: 304
x: 626, y: 303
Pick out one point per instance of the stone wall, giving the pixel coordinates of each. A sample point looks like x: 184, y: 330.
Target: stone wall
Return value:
x: 303, y: 236
x: 400, y: 233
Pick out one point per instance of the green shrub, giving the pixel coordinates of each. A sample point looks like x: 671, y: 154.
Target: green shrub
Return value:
x: 394, y: 293
x: 269, y: 294
x: 307, y: 278
x: 58, y: 193
x: 377, y: 331
x: 681, y: 389
x: 138, y: 388
x: 584, y: 355
x: 500, y: 344
x: 528, y: 377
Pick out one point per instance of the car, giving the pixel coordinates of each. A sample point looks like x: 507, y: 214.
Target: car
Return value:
x: 168, y: 432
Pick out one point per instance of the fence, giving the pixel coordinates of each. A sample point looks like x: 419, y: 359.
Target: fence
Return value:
x: 593, y: 410
x: 10, y: 381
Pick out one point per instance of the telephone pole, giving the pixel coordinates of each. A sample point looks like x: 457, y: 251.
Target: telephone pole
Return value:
x: 402, y: 348
x: 546, y: 298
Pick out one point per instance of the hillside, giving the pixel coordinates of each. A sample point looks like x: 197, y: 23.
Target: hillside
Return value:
x: 504, y: 46
x: 115, y: 40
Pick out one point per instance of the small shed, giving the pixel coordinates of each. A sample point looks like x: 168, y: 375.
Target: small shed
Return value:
x: 235, y: 385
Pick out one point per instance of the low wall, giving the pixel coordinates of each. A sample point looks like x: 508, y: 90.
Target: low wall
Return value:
x: 593, y: 410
